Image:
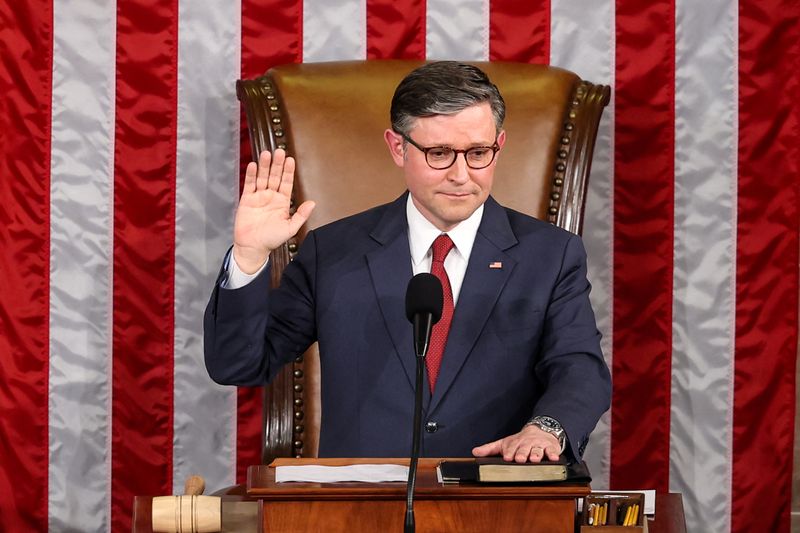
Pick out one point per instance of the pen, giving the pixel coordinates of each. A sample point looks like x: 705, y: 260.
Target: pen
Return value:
x: 622, y: 514
x: 627, y: 519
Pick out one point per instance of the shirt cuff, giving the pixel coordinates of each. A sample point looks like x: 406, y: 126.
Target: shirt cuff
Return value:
x: 237, y: 279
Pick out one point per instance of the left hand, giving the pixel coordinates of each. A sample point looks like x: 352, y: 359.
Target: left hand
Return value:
x: 530, y: 444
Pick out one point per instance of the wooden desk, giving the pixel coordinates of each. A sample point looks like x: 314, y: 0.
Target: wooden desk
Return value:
x: 268, y: 506
x: 343, y: 507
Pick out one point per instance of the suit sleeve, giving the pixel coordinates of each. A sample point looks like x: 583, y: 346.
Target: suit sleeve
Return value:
x: 570, y: 364
x: 252, y: 331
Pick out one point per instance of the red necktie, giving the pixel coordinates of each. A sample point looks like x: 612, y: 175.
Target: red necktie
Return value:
x: 441, y: 247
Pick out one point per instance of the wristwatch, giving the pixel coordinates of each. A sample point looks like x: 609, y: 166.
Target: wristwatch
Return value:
x: 550, y: 425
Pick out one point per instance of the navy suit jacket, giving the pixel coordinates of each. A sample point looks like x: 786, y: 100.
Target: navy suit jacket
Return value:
x: 523, y: 340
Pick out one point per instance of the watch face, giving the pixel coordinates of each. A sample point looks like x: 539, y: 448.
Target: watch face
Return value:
x: 549, y: 423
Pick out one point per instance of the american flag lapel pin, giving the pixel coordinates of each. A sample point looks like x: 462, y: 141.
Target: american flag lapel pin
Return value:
x: 496, y: 264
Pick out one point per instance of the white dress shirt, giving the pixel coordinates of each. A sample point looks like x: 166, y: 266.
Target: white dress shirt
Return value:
x: 421, y: 234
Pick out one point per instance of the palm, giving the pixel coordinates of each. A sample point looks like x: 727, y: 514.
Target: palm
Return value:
x: 263, y: 220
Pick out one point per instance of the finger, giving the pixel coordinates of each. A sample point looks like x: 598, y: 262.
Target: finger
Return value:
x: 250, y: 177
x: 552, y: 453
x: 490, y: 448
x: 536, y: 454
x: 287, y: 179
x: 511, y: 447
x: 276, y: 169
x: 301, y: 215
x: 526, y: 452
x: 262, y: 178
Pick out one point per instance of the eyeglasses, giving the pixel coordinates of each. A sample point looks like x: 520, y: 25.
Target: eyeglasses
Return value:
x: 442, y: 157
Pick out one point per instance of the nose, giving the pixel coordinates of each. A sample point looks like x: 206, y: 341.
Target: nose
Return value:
x: 459, y: 172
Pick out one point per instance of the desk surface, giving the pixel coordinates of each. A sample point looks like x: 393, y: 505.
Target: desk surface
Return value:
x: 261, y: 483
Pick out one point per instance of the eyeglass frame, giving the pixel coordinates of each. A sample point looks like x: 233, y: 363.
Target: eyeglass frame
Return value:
x: 494, y: 148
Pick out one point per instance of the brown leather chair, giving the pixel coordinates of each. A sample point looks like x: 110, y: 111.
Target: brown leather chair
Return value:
x: 331, y: 118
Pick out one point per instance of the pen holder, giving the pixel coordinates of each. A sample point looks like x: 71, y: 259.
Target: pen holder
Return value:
x: 605, y: 512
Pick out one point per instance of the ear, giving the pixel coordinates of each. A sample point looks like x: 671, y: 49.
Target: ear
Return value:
x: 501, y: 138
x: 395, y: 143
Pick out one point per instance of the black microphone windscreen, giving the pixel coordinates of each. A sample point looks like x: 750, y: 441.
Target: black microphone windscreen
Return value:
x: 424, y: 295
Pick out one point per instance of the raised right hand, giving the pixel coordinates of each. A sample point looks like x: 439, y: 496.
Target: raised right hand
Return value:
x: 263, y: 221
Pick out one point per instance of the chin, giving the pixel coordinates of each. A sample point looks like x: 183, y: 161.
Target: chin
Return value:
x: 456, y: 216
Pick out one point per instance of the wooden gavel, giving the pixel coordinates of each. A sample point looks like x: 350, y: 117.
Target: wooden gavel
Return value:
x: 189, y: 513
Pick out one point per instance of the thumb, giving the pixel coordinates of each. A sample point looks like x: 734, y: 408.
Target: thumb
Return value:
x: 301, y: 215
x: 490, y: 448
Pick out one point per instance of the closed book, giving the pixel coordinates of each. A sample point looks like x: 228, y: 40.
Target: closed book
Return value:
x: 495, y: 470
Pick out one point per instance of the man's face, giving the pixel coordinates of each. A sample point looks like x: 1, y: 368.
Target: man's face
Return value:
x: 446, y: 197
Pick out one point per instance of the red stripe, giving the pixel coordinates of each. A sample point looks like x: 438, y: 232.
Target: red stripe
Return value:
x: 25, y: 90
x: 643, y: 243
x: 144, y: 255
x: 396, y: 29
x: 249, y: 429
x: 272, y: 34
x: 766, y: 265
x: 519, y: 31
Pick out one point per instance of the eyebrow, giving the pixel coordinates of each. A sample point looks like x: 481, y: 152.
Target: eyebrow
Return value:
x: 471, y: 145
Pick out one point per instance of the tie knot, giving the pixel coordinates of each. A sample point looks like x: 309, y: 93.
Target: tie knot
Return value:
x: 441, y: 247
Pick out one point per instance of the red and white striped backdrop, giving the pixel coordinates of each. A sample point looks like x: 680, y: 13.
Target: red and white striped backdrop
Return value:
x: 120, y: 142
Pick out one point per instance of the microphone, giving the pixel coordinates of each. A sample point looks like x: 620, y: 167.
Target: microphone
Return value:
x: 424, y: 301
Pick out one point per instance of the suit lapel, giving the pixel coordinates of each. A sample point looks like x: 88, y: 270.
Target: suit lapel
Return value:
x: 390, y: 270
x: 479, y: 293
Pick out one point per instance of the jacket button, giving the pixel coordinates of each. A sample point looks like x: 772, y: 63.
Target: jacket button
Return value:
x: 431, y: 427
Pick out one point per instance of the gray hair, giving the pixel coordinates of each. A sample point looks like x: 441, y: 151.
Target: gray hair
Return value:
x: 443, y: 88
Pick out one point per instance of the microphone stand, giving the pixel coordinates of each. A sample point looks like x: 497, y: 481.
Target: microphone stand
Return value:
x: 421, y: 351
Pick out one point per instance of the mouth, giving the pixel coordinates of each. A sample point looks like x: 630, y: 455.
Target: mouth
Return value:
x: 456, y: 195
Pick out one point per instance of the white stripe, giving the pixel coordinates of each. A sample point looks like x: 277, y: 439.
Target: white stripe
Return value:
x: 81, y: 226
x: 457, y: 29
x: 705, y: 241
x: 582, y: 40
x: 209, y: 44
x: 334, y: 30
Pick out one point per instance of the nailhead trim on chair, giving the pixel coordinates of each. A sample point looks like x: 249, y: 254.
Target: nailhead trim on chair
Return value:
x: 276, y: 128
x: 263, y: 107
x: 299, y: 411
x: 563, y: 152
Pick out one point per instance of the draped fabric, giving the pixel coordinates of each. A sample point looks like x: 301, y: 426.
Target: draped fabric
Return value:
x: 121, y: 145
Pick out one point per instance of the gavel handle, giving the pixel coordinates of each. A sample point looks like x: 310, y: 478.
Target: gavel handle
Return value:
x: 194, y: 486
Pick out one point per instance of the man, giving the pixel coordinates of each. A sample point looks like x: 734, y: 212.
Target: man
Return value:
x: 519, y: 371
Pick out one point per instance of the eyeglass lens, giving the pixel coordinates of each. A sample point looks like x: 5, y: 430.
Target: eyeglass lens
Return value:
x: 442, y: 157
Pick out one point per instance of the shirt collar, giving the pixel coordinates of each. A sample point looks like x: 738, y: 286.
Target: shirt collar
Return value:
x: 422, y: 233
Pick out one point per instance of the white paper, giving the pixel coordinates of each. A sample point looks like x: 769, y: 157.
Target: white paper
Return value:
x: 367, y: 473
